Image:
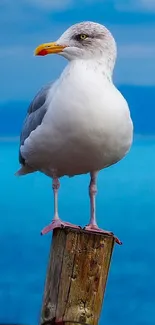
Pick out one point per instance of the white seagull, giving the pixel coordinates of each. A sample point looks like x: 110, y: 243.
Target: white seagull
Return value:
x: 80, y: 123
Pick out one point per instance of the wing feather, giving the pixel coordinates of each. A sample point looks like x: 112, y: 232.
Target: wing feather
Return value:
x: 34, y: 117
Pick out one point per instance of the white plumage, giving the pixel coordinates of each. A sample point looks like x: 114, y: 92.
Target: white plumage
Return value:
x: 87, y: 125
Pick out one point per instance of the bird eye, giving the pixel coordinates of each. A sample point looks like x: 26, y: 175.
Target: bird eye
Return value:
x: 83, y: 36
x: 80, y: 37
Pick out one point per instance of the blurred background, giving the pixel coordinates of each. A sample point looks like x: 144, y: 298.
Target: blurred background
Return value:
x: 126, y: 191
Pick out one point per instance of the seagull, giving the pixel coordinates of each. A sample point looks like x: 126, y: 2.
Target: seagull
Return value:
x: 80, y: 123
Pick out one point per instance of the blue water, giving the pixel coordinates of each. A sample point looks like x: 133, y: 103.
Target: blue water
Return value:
x: 125, y: 205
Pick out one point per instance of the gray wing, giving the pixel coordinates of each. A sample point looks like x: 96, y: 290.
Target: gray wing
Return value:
x: 34, y: 117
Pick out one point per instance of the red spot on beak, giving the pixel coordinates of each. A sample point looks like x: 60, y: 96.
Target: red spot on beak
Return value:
x: 43, y: 52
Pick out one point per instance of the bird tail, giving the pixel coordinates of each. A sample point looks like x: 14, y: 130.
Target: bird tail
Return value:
x: 24, y: 170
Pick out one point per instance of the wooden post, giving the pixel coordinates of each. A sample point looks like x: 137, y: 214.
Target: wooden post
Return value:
x: 76, y: 278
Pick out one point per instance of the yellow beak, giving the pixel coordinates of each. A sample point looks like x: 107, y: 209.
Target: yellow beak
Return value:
x: 49, y: 48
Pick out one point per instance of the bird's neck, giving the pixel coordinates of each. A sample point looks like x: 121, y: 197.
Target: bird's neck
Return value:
x: 104, y: 66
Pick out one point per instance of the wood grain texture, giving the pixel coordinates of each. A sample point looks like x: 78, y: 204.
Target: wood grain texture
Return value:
x: 76, y: 277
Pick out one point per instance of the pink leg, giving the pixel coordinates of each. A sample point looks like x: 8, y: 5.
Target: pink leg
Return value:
x: 56, y: 222
x: 92, y: 226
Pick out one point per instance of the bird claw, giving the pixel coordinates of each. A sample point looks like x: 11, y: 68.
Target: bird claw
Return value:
x: 95, y: 228
x: 58, y: 224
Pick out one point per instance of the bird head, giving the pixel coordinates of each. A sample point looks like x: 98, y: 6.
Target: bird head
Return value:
x: 85, y: 40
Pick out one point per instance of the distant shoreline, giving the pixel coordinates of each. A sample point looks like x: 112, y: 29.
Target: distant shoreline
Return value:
x: 9, y: 138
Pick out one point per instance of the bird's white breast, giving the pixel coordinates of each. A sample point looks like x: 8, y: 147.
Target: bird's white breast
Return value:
x: 87, y: 125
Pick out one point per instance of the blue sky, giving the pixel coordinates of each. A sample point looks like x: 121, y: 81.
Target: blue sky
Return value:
x: 27, y: 23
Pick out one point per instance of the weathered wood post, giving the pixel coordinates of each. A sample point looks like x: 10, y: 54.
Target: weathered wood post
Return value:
x: 76, y: 277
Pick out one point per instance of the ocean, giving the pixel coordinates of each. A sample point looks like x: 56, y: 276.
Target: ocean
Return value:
x: 125, y: 205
